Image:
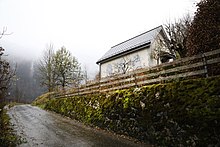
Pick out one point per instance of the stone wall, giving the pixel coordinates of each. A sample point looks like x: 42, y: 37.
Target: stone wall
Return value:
x: 180, y: 113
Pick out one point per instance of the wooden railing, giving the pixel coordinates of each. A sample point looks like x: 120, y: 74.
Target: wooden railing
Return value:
x: 184, y: 68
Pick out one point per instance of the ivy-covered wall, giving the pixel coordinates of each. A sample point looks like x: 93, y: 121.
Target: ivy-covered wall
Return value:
x: 180, y: 113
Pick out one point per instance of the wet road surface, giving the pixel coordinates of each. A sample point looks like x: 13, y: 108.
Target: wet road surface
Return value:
x: 42, y: 128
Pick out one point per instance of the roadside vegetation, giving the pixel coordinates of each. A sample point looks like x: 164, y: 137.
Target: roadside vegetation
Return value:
x: 7, y: 136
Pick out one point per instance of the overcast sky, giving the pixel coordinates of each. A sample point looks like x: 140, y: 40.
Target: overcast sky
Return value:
x: 88, y: 28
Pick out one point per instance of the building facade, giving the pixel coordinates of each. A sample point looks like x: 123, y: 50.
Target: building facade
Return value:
x: 142, y: 51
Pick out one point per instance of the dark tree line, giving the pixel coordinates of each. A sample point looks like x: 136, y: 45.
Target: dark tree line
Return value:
x: 204, y: 32
x: 25, y: 86
x: 6, y: 72
x: 17, y: 82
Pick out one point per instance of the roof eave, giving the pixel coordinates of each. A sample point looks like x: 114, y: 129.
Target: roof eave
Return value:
x: 124, y: 53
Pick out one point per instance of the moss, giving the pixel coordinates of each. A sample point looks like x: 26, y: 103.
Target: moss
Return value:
x: 43, y: 99
x: 182, y: 113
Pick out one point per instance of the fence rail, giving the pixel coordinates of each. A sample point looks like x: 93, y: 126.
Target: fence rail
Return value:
x: 190, y: 67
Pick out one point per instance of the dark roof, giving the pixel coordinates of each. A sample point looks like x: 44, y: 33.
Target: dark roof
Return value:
x: 128, y: 45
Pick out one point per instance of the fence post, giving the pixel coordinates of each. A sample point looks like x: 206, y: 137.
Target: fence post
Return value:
x: 135, y: 79
x: 78, y: 88
x: 205, y: 65
x: 99, y: 85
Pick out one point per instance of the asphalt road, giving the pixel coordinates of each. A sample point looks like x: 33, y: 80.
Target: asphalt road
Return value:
x: 42, y: 128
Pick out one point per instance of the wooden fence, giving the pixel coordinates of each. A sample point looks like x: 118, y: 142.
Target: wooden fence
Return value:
x: 184, y: 68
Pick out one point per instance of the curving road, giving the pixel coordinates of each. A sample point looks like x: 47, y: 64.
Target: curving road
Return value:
x: 42, y: 128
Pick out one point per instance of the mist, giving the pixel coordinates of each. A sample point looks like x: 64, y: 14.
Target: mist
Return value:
x: 25, y: 86
x: 88, y: 29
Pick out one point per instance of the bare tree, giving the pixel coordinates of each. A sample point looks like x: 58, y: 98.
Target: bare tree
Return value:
x: 126, y: 64
x: 3, y: 33
x: 86, y: 78
x: 162, y: 52
x: 45, y: 69
x: 177, y: 33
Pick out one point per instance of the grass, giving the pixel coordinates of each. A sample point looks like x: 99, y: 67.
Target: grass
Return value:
x: 7, y: 136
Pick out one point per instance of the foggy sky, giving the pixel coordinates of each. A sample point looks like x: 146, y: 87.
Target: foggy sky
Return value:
x: 87, y: 28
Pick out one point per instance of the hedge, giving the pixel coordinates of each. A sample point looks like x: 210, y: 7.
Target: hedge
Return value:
x: 182, y: 113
